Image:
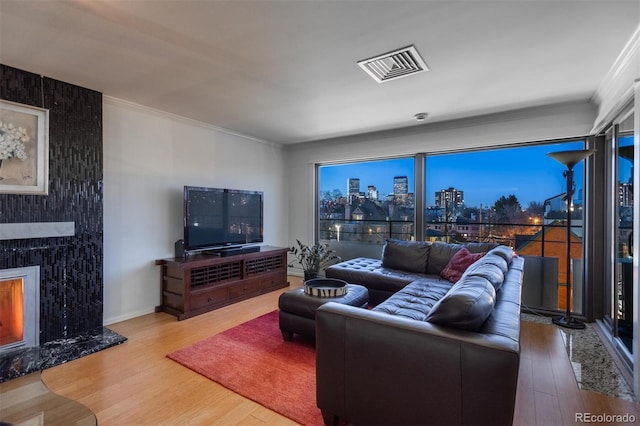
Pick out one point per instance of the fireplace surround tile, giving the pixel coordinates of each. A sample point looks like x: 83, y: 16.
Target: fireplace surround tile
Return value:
x: 70, y: 258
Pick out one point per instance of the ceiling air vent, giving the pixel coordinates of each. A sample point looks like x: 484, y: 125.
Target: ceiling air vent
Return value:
x: 397, y: 64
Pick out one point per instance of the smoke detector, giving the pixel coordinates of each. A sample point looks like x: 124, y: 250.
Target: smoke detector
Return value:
x: 421, y: 116
x: 393, y: 65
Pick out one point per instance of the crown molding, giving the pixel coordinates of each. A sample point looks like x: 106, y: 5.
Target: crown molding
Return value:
x: 616, y: 89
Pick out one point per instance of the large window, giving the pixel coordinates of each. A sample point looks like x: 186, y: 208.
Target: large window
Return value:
x: 367, y: 202
x: 514, y: 196
x: 501, y: 195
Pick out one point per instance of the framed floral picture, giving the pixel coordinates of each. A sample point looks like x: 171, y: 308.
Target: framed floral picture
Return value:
x: 24, y: 149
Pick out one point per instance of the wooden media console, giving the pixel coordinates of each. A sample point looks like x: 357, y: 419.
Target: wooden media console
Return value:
x: 197, y: 284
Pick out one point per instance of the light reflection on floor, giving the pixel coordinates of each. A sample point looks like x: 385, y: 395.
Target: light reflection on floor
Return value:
x: 592, y: 364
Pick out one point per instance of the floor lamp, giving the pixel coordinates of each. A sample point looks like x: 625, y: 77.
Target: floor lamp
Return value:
x: 569, y: 159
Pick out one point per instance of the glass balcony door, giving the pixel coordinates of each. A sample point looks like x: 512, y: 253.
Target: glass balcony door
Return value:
x: 619, y: 294
x: 624, y: 233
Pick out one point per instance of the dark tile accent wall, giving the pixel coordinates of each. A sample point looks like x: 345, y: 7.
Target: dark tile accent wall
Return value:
x: 71, y: 292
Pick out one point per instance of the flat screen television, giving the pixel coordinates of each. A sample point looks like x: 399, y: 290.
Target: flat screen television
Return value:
x: 218, y: 218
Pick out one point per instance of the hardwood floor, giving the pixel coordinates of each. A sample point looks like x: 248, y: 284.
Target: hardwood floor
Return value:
x: 135, y: 384
x: 548, y: 393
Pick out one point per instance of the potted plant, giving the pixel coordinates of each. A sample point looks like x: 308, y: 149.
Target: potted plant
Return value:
x: 313, y: 258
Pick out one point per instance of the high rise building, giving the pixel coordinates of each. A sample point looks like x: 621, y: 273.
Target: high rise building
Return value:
x: 451, y: 198
x: 372, y: 193
x: 400, y: 185
x: 353, y: 189
x: 625, y: 195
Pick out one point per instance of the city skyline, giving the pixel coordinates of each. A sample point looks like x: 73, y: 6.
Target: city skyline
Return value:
x: 371, y: 173
x: 528, y: 173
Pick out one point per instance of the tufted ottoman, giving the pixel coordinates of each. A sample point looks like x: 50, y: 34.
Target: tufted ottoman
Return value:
x: 382, y: 282
x: 298, y: 310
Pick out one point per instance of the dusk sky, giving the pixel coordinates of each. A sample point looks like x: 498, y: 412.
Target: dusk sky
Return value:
x: 484, y: 176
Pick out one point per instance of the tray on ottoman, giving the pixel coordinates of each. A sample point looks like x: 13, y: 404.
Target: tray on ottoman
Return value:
x: 325, y: 287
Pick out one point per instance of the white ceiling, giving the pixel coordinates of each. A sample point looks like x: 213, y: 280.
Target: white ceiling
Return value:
x: 286, y: 72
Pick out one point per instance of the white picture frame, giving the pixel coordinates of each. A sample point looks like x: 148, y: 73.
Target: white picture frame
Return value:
x: 24, y: 149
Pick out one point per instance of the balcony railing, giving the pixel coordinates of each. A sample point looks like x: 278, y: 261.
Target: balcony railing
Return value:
x: 365, y: 231
x: 515, y: 235
x: 543, y: 246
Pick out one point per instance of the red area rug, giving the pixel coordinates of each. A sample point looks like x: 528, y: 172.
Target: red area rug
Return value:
x: 253, y: 360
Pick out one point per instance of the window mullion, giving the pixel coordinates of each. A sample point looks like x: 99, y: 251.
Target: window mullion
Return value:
x: 419, y: 196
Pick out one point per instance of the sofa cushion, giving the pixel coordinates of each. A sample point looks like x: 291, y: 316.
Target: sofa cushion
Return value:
x: 466, y: 305
x: 494, y: 259
x: 488, y: 271
x: 459, y: 263
x: 410, y: 256
x: 440, y: 253
x: 504, y: 252
x: 416, y: 300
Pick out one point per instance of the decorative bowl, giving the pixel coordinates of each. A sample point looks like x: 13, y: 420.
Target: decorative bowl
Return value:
x: 325, y: 287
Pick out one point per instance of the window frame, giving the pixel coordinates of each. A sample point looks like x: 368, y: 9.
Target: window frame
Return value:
x: 420, y: 183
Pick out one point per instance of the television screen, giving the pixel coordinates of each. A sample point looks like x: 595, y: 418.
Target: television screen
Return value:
x: 216, y: 217
x: 244, y: 216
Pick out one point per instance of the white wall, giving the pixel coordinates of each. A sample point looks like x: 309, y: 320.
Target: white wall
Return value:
x: 527, y: 125
x: 149, y: 156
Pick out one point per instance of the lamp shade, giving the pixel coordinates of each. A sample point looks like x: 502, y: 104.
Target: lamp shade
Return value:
x: 571, y: 158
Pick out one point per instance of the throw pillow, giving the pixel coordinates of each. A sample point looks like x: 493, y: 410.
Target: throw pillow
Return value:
x: 440, y: 254
x: 466, y: 305
x: 458, y: 264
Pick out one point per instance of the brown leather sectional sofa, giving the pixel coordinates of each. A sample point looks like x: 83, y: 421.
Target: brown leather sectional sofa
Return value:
x: 432, y: 351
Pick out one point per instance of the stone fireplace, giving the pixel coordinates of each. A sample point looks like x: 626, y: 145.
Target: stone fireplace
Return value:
x: 19, y: 308
x: 22, y: 347
x: 61, y: 231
